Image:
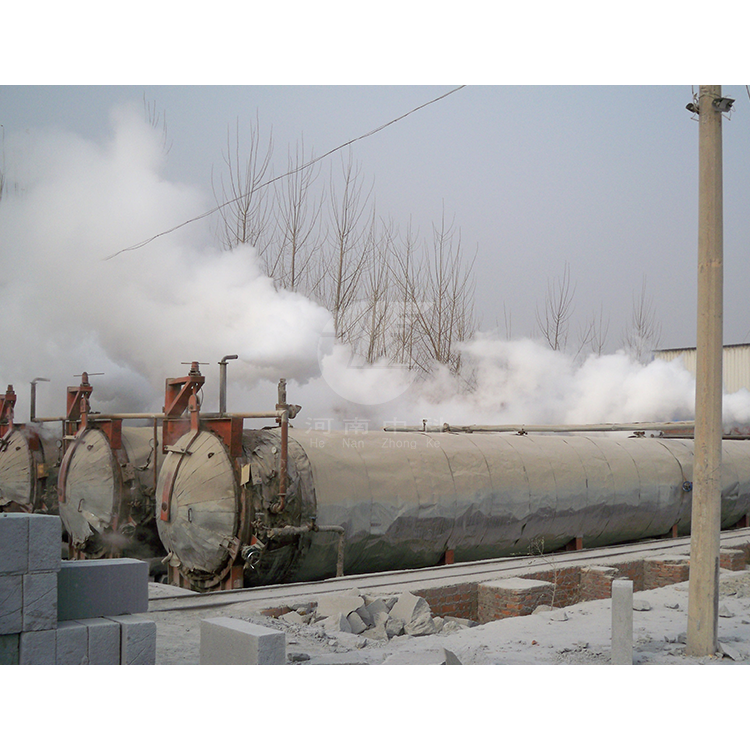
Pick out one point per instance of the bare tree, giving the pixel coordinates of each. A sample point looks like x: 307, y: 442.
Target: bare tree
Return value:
x: 244, y: 210
x: 443, y: 301
x: 346, y: 255
x: 593, y: 337
x: 558, y: 308
x: 298, y: 215
x: 157, y: 121
x: 643, y: 333
x: 405, y: 270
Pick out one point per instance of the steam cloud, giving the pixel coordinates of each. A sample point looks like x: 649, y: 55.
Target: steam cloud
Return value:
x: 72, y: 202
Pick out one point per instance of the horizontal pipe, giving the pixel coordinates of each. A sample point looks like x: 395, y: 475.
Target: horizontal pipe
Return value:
x: 615, y: 427
x: 93, y: 416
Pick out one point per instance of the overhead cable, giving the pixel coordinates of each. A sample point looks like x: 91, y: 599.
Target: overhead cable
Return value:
x: 286, y: 174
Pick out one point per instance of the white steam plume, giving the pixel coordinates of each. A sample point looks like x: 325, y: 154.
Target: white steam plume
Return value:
x: 138, y: 316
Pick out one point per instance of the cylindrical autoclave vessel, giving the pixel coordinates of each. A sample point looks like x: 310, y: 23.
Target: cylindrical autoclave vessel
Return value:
x: 402, y: 500
x: 29, y: 459
x: 106, y: 493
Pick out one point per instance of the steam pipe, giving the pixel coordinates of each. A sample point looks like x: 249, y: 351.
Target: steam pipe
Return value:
x: 283, y: 420
x: 614, y: 427
x: 223, y: 382
x: 32, y: 407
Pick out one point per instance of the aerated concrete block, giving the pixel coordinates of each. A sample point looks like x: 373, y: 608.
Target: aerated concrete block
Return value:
x: 38, y: 647
x: 72, y: 643
x: 11, y: 604
x: 137, y: 639
x: 103, y: 640
x: 45, y: 534
x: 14, y: 542
x: 39, y: 601
x: 225, y: 640
x: 9, y: 649
x: 101, y: 588
x: 622, y: 621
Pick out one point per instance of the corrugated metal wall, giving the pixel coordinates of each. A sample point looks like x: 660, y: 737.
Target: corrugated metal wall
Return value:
x: 736, y: 364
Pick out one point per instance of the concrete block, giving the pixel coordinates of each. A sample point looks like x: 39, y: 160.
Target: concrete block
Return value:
x: 137, y: 639
x: 410, y: 608
x: 355, y: 623
x: 103, y: 640
x: 333, y: 604
x: 9, y: 649
x: 39, y: 601
x: 14, y: 542
x: 101, y: 588
x: 622, y: 621
x: 45, y: 535
x: 11, y: 604
x: 38, y: 647
x: 225, y: 640
x: 72, y: 643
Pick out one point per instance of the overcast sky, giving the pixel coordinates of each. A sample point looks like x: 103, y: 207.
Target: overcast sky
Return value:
x: 603, y: 178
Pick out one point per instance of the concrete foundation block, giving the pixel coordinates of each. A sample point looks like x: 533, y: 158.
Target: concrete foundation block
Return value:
x: 11, y: 604
x: 101, y: 588
x: 137, y: 639
x: 9, y: 649
x: 72, y: 644
x: 45, y: 534
x: 14, y: 542
x: 103, y: 640
x: 38, y: 647
x: 225, y: 640
x: 622, y: 621
x: 39, y: 601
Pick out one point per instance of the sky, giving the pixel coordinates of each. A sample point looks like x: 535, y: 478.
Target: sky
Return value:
x: 544, y: 163
x: 601, y: 178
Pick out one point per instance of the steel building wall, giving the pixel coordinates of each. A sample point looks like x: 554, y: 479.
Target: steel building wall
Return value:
x: 735, y: 365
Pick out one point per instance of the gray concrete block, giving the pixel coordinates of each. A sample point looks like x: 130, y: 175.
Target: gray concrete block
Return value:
x: 45, y: 535
x: 103, y: 640
x: 137, y: 639
x: 11, y: 604
x: 622, y: 621
x: 38, y: 647
x: 225, y: 640
x: 72, y: 643
x: 333, y: 604
x: 39, y: 601
x: 9, y: 649
x: 14, y: 542
x: 101, y: 588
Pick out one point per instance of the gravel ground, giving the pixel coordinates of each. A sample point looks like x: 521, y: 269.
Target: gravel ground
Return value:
x: 576, y: 635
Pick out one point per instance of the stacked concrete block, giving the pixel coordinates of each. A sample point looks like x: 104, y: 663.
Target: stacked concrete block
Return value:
x: 29, y: 562
x: 225, y: 640
x: 55, y: 611
x: 102, y: 588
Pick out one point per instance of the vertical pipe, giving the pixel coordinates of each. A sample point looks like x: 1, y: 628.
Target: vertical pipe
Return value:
x: 703, y: 601
x: 223, y: 383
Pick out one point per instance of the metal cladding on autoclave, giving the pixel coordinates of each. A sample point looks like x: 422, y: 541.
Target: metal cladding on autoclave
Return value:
x: 386, y: 501
x: 105, y: 482
x: 29, y: 460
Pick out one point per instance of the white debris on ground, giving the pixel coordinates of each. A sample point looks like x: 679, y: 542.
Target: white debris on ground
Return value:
x: 356, y: 628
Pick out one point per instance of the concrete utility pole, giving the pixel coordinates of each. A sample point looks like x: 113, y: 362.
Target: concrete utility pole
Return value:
x: 703, y: 601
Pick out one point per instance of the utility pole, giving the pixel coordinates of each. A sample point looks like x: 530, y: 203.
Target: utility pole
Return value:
x: 703, y: 596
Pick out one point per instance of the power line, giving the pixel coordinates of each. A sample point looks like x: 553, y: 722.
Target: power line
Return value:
x: 286, y: 174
